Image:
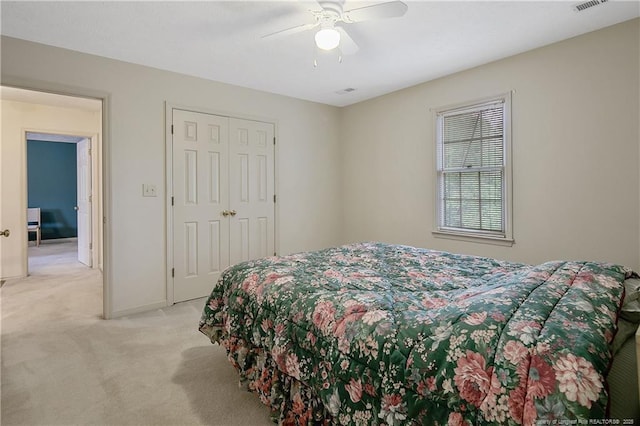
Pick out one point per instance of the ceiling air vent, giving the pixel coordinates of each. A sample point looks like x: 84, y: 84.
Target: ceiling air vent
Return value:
x: 588, y: 4
x: 345, y: 91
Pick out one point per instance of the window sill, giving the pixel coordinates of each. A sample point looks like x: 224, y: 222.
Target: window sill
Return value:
x: 498, y: 241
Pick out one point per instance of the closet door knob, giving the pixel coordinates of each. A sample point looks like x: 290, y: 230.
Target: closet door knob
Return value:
x: 5, y: 233
x: 225, y: 213
x: 233, y: 212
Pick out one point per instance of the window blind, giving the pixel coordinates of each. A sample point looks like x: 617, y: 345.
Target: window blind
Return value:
x: 471, y: 168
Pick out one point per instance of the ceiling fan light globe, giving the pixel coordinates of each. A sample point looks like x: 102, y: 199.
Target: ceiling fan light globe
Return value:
x: 327, y: 38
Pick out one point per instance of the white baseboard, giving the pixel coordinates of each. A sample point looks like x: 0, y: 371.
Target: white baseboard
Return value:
x: 138, y: 309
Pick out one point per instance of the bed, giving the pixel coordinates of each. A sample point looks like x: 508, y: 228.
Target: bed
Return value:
x: 373, y: 333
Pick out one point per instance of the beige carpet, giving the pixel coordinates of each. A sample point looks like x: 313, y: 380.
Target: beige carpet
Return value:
x: 63, y: 365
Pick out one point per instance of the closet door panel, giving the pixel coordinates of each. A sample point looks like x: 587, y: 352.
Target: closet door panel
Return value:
x: 251, y: 195
x: 200, y: 148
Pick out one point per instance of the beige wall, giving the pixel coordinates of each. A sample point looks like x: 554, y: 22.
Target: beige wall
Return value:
x: 575, y: 153
x: 18, y: 118
x: 308, y: 181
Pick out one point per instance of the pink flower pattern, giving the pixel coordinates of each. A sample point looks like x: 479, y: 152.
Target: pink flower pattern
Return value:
x: 323, y: 316
x: 354, y: 387
x: 472, y: 378
x: 515, y: 351
x: 577, y: 379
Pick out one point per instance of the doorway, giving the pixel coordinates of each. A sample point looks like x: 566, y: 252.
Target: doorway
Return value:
x: 27, y: 114
x: 59, y: 192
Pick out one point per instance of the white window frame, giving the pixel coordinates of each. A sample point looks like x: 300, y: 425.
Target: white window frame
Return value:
x: 505, y: 237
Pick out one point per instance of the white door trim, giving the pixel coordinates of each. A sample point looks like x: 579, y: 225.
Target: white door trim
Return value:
x: 169, y: 107
x: 168, y: 141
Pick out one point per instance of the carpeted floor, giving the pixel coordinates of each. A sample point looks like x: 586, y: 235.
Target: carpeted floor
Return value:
x: 63, y: 365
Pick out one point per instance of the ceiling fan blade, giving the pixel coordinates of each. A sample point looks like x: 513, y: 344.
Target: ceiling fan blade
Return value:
x: 392, y: 9
x: 347, y: 45
x: 292, y: 30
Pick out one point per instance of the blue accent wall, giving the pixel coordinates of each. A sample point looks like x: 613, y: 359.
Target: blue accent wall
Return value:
x: 52, y: 186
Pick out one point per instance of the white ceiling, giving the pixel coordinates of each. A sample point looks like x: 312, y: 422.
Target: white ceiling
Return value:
x: 222, y: 41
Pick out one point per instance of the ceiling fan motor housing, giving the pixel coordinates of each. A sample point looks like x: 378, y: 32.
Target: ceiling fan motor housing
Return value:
x: 332, y: 8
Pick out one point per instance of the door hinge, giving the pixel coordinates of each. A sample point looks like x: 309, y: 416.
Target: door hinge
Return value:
x: 274, y: 140
x: 173, y: 272
x: 172, y: 201
x: 274, y: 198
x: 89, y: 152
x: 172, y: 129
x: 90, y: 246
x: 90, y: 198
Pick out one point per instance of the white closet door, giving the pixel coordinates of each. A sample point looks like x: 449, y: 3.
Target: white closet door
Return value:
x: 201, y: 195
x: 251, y: 194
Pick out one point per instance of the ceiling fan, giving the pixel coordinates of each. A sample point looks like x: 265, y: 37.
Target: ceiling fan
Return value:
x: 331, y: 19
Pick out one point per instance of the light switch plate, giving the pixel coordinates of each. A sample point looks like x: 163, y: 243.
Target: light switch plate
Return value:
x: 149, y: 190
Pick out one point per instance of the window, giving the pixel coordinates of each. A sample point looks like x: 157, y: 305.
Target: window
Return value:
x: 473, y: 170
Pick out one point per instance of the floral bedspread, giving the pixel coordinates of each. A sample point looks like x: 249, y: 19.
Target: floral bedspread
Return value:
x: 372, y: 333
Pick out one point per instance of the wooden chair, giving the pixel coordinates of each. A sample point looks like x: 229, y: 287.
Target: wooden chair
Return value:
x: 33, y: 222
